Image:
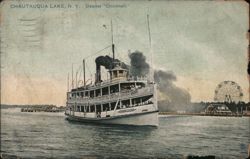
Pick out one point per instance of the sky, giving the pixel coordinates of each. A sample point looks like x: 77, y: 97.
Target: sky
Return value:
x: 202, y: 42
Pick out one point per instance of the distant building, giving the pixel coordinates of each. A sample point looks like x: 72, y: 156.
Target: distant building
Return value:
x: 218, y: 109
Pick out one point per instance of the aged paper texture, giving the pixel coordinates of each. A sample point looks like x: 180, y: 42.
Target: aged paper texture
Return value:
x: 179, y: 66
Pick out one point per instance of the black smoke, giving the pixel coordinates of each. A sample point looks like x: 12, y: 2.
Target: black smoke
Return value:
x: 139, y: 66
x: 107, y: 62
x: 171, y: 97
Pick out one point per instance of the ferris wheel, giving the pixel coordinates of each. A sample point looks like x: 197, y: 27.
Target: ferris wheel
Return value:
x: 228, y: 91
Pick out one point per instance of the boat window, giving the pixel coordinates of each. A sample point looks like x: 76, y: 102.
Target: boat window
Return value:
x: 114, y: 88
x: 125, y: 87
x: 142, y: 101
x: 115, y: 74
x: 98, y: 108
x: 105, y: 91
x: 82, y: 108
x: 92, y: 108
x: 86, y: 93
x: 120, y: 71
x: 105, y: 107
x: 113, y: 106
x: 149, y: 101
x: 139, y: 84
x: 125, y: 103
x: 92, y: 93
x: 98, y: 92
x: 78, y: 108
x: 119, y: 105
x: 136, y: 102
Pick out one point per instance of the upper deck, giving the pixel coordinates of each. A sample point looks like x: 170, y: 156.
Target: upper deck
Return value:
x: 120, y: 85
x: 111, y: 82
x: 112, y: 90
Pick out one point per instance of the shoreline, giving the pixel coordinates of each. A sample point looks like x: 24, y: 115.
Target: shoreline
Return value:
x: 203, y: 114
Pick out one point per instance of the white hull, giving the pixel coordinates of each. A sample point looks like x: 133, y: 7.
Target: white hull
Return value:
x: 146, y: 119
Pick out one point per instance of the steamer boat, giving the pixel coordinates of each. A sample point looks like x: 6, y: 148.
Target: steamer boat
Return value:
x: 121, y: 99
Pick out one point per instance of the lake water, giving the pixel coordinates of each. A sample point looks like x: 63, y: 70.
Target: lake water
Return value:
x: 49, y: 135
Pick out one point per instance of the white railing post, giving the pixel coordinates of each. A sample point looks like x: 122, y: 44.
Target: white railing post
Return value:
x: 116, y: 106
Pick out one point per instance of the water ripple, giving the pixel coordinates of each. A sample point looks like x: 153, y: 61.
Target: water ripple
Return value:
x: 44, y: 135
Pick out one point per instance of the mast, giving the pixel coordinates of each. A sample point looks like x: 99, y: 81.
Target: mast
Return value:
x: 150, y: 51
x: 152, y: 68
x: 68, y: 83
x: 76, y: 79
x: 72, y: 80
x: 84, y: 80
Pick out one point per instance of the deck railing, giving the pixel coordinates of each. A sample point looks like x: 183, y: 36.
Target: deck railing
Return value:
x: 114, y: 96
x: 120, y: 79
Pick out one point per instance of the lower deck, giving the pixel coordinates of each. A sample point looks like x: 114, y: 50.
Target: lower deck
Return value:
x: 136, y: 117
x: 113, y: 113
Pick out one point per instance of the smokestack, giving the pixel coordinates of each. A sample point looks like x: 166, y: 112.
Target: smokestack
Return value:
x: 107, y: 62
x: 113, y: 51
x: 84, y: 79
x: 98, y: 73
